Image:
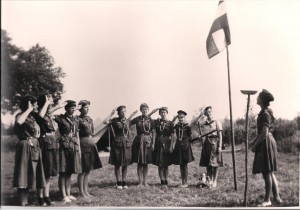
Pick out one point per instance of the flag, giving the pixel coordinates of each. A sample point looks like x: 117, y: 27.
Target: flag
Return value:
x: 219, y: 34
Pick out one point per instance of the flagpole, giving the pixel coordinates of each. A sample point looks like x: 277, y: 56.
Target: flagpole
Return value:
x: 231, y: 122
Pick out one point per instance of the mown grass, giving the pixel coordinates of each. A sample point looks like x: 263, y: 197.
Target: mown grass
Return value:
x: 102, y: 183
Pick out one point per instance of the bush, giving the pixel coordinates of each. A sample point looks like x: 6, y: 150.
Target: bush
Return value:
x: 283, y: 129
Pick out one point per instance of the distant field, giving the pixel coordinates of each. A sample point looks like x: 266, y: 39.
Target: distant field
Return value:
x: 102, y: 183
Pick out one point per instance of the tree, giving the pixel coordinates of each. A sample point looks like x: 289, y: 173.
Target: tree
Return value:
x: 27, y: 72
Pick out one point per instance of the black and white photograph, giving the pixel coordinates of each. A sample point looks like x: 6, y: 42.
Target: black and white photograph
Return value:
x: 150, y: 104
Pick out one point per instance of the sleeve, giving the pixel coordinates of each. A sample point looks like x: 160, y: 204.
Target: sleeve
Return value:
x: 56, y: 118
x: 92, y: 126
x: 219, y: 126
x: 266, y: 119
x: 189, y: 130
x: 152, y: 124
x: 133, y: 121
x: 172, y: 127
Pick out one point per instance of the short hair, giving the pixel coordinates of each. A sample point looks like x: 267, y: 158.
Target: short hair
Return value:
x: 119, y: 109
x: 144, y: 105
x: 207, y: 108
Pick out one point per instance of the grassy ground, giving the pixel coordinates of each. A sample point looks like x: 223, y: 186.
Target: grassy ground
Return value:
x: 102, y: 183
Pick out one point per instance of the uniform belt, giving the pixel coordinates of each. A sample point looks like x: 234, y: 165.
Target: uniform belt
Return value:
x: 49, y: 133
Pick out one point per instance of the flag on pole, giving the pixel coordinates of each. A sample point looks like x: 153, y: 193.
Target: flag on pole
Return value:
x: 219, y: 34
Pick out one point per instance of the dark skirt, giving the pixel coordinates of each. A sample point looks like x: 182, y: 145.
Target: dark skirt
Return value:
x: 50, y: 154
x: 265, y: 156
x: 141, y: 149
x: 69, y: 156
x: 120, y: 153
x: 161, y: 154
x: 89, y: 154
x: 182, y: 153
x: 28, y: 170
x: 210, y: 155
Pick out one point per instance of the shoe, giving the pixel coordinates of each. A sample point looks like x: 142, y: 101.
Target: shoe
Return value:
x: 119, y: 185
x: 184, y: 186
x: 48, y: 201
x: 278, y: 200
x: 265, y: 204
x: 214, y: 184
x: 66, y: 200
x: 162, y: 182
x: 41, y: 202
x: 124, y: 185
x: 166, y: 182
x: 72, y: 198
x: 146, y: 185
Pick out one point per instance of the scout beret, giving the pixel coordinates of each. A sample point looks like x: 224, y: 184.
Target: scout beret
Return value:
x: 182, y: 112
x: 163, y: 108
x: 266, y: 95
x: 83, y: 103
x: 70, y: 103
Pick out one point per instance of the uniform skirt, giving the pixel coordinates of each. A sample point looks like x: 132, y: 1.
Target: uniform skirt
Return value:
x: 182, y: 153
x: 89, y: 154
x: 69, y: 156
x: 28, y: 170
x: 265, y: 156
x: 120, y: 153
x: 161, y: 155
x: 210, y: 155
x: 50, y: 154
x: 141, y: 149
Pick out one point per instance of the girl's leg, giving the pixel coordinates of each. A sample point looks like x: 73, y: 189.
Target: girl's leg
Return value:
x: 117, y: 174
x: 145, y: 174
x: 268, y: 186
x: 215, y: 176
x: 23, y: 198
x: 86, y: 183
x: 182, y: 174
x: 161, y: 175
x: 140, y: 173
x: 275, y: 188
x: 209, y: 173
x: 46, y: 192
x: 62, y: 184
x: 166, y: 174
x: 124, y: 176
x: 80, y: 178
x: 185, y: 174
x: 68, y: 184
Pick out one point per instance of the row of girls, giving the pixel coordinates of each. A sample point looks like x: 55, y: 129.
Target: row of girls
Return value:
x: 63, y: 144
x: 40, y: 154
x: 50, y: 145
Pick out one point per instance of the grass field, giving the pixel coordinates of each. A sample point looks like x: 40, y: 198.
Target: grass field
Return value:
x: 102, y: 183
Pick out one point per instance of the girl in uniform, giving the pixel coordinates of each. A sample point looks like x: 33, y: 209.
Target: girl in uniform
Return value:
x: 120, y: 153
x: 143, y: 143
x: 265, y: 148
x: 183, y: 154
x: 162, y: 154
x: 28, y: 170
x: 89, y: 153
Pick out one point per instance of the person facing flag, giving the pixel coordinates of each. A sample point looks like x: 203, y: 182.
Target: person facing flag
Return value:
x: 219, y: 34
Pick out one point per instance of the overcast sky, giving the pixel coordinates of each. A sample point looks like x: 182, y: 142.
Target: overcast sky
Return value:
x: 129, y: 52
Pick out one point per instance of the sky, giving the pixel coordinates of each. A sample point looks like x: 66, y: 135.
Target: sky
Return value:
x: 129, y: 52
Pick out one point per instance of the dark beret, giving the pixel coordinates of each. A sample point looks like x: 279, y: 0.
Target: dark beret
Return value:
x: 120, y: 108
x: 83, y: 103
x: 70, y: 103
x: 182, y: 112
x: 144, y: 105
x: 163, y: 108
x: 266, y: 95
x: 24, y: 101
